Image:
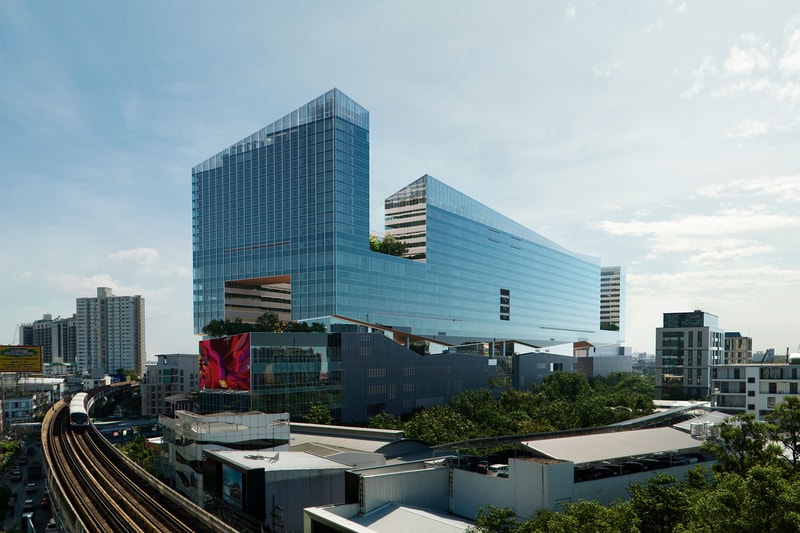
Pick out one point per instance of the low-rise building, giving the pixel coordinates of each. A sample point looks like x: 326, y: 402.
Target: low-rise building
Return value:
x: 189, y: 436
x: 754, y: 388
x: 554, y: 471
x: 171, y: 374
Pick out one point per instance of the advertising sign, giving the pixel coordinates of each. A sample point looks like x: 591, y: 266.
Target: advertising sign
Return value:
x: 225, y: 363
x: 20, y: 358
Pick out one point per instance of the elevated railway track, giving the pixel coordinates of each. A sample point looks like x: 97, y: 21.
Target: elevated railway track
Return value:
x: 96, y: 488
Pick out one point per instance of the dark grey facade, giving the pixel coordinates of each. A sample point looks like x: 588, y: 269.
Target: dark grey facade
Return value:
x: 359, y: 375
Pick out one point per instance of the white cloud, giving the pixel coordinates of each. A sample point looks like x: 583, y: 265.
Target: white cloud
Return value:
x: 782, y: 188
x: 681, y: 8
x: 656, y: 27
x: 699, y: 74
x: 751, y: 86
x: 605, y: 68
x: 569, y: 12
x: 747, y: 129
x: 743, y: 61
x: 723, y: 255
x: 789, y: 91
x: 140, y: 256
x: 724, y: 224
x: 789, y: 63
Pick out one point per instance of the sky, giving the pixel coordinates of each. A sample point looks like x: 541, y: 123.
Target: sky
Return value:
x: 662, y: 136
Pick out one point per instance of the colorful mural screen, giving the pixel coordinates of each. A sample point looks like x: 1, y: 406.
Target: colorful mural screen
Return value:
x: 225, y: 363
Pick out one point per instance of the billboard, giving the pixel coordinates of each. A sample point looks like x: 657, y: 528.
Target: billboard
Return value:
x: 20, y: 358
x: 225, y: 363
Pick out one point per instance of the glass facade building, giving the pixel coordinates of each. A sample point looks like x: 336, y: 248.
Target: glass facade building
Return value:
x: 281, y: 224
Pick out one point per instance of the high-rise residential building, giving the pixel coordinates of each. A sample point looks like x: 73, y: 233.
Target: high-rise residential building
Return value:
x: 110, y: 333
x: 738, y: 349
x: 171, y: 375
x: 281, y: 223
x: 57, y: 337
x: 687, y: 346
x: 612, y: 299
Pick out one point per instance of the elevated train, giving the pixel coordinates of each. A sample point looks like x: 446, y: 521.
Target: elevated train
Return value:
x: 78, y: 411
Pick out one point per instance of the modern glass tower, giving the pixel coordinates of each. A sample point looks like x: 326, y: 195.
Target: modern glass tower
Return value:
x: 281, y: 223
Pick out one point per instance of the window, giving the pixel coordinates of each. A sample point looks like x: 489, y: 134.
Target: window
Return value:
x: 770, y: 402
x: 751, y: 393
x: 751, y: 380
x: 751, y: 407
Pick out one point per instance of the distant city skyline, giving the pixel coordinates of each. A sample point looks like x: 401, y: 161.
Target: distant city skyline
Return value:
x: 658, y: 136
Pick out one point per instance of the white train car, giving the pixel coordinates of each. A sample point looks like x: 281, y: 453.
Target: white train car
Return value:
x: 78, y: 414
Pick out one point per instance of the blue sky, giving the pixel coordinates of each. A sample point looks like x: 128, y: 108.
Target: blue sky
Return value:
x: 657, y: 135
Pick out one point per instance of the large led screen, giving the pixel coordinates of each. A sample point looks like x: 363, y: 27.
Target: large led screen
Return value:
x: 232, y: 486
x: 225, y: 363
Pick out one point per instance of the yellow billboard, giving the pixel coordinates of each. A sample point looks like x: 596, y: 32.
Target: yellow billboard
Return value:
x: 20, y: 358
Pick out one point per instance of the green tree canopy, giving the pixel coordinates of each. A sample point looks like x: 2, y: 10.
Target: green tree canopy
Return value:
x: 785, y: 420
x: 389, y: 245
x: 268, y: 322
x: 319, y: 414
x: 743, y: 443
x: 439, y: 425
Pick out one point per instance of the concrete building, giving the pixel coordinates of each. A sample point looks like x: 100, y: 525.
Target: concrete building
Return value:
x: 171, y: 374
x: 57, y: 337
x: 273, y: 488
x: 444, y: 494
x: 358, y: 375
x: 612, y: 299
x: 281, y: 224
x: 754, y: 388
x: 189, y: 436
x: 687, y: 345
x: 110, y: 333
x: 738, y: 349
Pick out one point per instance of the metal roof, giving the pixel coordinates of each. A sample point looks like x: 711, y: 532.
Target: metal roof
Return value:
x: 395, y: 518
x: 712, y: 417
x: 607, y: 446
x: 271, y: 460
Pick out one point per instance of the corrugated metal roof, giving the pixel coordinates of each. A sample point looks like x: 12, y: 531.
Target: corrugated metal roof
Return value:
x: 713, y: 417
x: 393, y: 518
x: 607, y: 446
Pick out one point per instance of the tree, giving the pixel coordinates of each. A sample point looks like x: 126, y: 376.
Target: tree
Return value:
x: 439, y: 425
x: 384, y: 420
x: 319, y: 414
x: 215, y: 328
x: 661, y: 503
x: 763, y: 501
x: 563, y: 386
x: 786, y: 421
x: 389, y: 245
x: 491, y: 519
x: 743, y: 443
x: 269, y: 322
x: 586, y: 517
x: 138, y: 452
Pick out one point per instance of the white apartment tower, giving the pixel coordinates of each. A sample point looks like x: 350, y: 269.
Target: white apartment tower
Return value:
x: 110, y: 333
